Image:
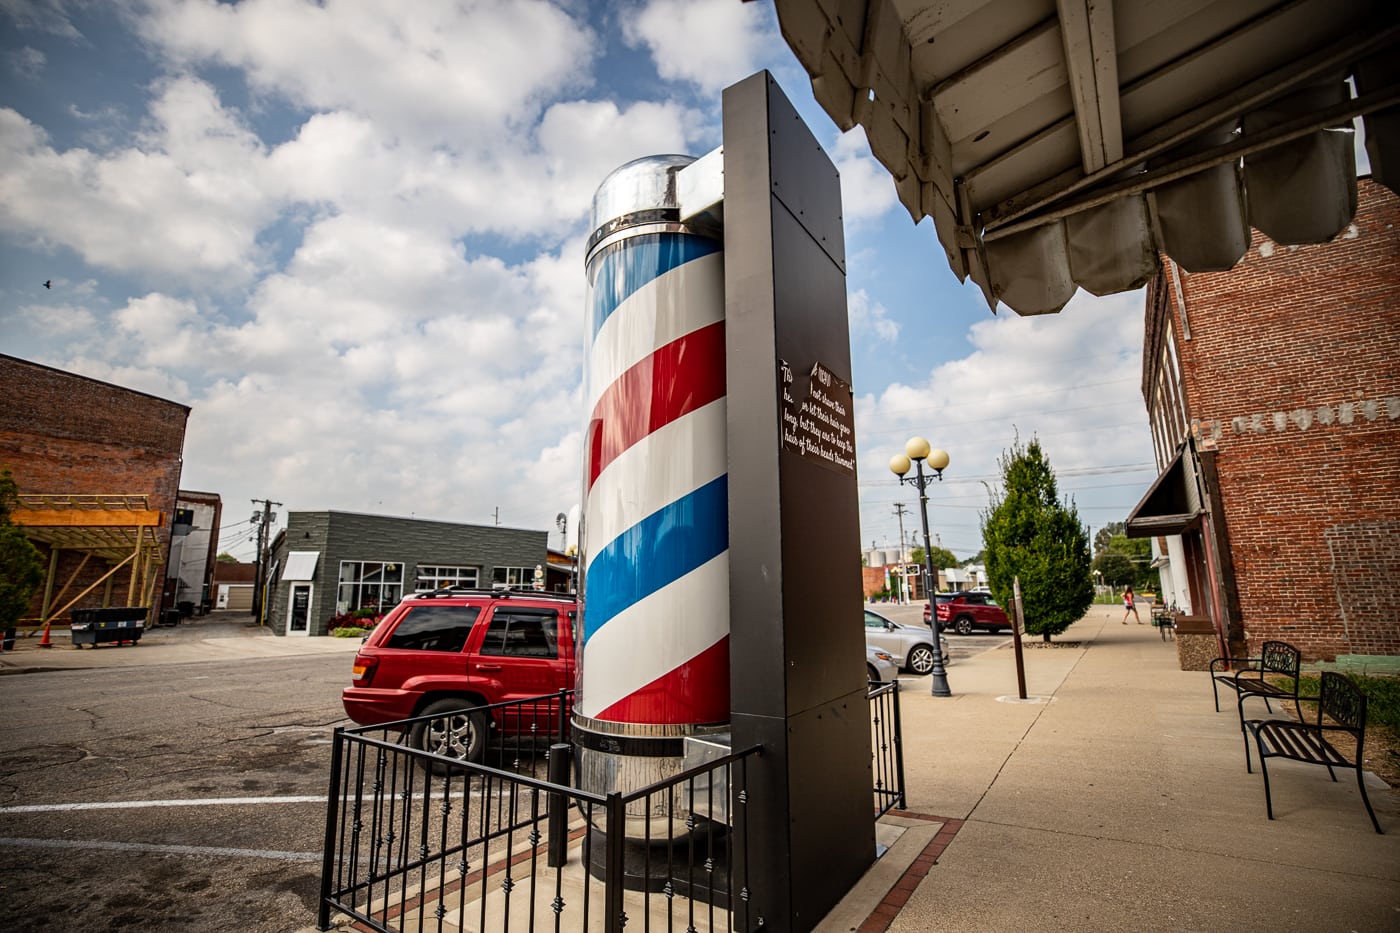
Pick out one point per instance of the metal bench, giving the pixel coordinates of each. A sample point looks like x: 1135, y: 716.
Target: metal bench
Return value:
x: 1164, y: 618
x: 1250, y: 676
x: 1341, y: 709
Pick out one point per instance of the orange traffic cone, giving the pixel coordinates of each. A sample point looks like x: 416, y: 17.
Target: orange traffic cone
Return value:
x: 44, y: 642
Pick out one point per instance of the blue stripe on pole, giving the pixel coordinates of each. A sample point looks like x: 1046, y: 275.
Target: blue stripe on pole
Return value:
x: 636, y: 261
x: 660, y: 549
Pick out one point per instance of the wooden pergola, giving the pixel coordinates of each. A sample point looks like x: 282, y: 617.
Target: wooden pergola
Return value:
x: 120, y: 529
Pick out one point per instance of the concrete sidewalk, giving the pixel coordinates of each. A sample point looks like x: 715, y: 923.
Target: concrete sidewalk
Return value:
x: 219, y: 636
x: 1116, y: 800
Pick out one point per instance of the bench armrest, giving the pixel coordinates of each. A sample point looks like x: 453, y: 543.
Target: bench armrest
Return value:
x: 1233, y: 661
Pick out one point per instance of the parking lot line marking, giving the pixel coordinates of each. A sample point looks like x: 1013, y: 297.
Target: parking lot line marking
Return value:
x: 141, y: 804
x: 164, y: 849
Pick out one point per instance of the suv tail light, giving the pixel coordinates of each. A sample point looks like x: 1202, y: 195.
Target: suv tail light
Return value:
x: 944, y: 610
x: 363, y: 670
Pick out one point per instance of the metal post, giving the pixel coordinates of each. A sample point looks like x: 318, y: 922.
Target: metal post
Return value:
x: 1017, y: 624
x: 558, y: 805
x: 613, y: 917
x: 323, y: 906
x: 899, y: 742
x: 939, y: 686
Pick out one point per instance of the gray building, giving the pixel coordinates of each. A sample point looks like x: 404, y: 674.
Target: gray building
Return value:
x: 329, y: 563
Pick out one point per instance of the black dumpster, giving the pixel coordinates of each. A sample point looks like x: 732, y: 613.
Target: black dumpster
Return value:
x: 186, y: 609
x: 169, y: 617
x: 115, y: 623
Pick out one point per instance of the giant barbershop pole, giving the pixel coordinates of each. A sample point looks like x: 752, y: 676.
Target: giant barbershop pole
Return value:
x: 655, y: 562
x: 721, y: 591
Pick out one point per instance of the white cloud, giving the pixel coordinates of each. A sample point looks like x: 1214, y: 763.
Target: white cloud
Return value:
x: 869, y: 318
x: 44, y: 16
x: 26, y: 63
x: 1072, y: 380
x: 181, y: 202
x: 450, y: 71
x: 710, y: 43
x: 867, y: 191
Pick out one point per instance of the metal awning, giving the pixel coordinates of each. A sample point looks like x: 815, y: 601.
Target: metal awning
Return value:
x: 301, y: 565
x: 1067, y: 143
x: 1172, y: 504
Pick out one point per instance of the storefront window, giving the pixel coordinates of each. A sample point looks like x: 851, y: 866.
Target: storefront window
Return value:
x: 366, y: 584
x: 430, y: 578
x: 516, y: 577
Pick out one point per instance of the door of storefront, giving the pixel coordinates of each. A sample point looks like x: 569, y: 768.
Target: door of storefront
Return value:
x: 299, y: 610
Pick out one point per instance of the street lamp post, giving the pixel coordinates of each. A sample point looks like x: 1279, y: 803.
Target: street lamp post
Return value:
x: 917, y: 450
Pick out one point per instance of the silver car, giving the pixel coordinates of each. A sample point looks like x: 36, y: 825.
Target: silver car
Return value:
x: 911, y: 646
x: 880, y: 666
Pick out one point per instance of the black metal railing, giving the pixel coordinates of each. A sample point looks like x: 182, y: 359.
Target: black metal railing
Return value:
x: 886, y: 747
x: 417, y: 841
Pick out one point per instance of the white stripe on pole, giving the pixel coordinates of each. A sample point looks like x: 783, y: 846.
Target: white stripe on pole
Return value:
x: 663, y: 467
x: 654, y: 315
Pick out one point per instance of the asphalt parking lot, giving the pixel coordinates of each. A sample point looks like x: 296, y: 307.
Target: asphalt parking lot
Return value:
x: 140, y: 791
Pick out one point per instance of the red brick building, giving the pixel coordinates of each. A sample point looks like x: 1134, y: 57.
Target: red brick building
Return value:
x: 1274, y: 395
x: 98, y: 469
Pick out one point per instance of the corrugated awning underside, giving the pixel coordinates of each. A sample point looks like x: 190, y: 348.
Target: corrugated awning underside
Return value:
x: 1060, y: 145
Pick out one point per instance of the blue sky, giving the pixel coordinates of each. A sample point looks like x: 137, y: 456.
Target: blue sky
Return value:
x: 349, y: 235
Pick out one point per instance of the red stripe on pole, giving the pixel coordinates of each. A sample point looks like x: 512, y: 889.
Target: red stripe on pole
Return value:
x: 680, y: 377
x: 687, y: 695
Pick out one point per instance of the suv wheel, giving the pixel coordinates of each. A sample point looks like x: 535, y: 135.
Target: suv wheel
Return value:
x: 920, y: 660
x: 458, y: 731
x: 963, y: 625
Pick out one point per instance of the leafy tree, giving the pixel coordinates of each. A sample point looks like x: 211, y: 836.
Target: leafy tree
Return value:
x: 226, y: 558
x: 942, y: 558
x: 21, y: 566
x: 1115, y: 568
x: 1106, y: 534
x: 1028, y: 532
x: 1124, y: 561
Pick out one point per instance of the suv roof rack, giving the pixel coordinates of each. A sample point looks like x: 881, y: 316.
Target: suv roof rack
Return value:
x: 504, y: 592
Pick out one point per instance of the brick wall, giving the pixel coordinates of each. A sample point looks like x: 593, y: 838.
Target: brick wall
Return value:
x: 1292, y: 375
x: 66, y: 434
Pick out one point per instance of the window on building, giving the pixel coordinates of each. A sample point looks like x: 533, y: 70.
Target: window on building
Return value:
x: 434, y: 628
x: 369, y: 584
x: 521, y: 577
x: 431, y: 578
x: 523, y: 633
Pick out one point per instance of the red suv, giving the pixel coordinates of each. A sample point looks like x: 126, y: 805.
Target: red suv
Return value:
x: 458, y: 649
x: 968, y: 612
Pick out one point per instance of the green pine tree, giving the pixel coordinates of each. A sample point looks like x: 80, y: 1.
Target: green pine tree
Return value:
x: 1029, y: 533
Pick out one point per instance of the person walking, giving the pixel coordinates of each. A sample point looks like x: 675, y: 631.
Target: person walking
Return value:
x: 1130, y: 606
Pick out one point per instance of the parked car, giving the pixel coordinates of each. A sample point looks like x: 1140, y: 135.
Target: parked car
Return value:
x: 911, y: 645
x: 968, y: 612
x: 880, y: 666
x: 456, y: 650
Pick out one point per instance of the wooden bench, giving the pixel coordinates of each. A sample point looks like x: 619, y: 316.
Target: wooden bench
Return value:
x: 1341, y: 709
x: 1250, y: 677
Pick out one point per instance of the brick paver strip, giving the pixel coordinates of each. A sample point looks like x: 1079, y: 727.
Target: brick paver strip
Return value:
x: 898, y: 895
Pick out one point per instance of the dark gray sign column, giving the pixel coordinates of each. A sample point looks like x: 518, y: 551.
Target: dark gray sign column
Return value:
x: 796, y: 639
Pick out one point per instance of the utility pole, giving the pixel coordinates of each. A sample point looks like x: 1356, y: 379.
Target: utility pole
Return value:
x: 903, y: 577
x: 264, y: 517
